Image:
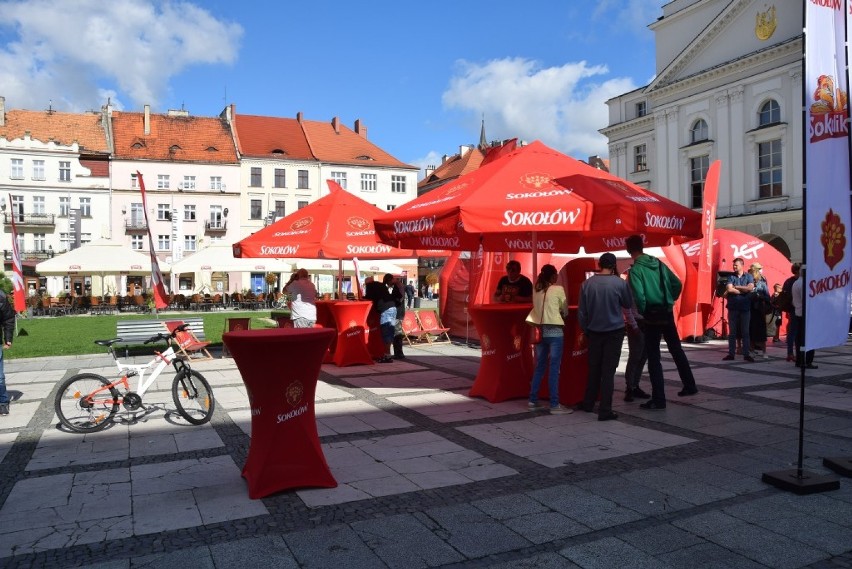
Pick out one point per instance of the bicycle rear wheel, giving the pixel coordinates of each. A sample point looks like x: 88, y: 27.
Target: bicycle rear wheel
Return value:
x: 193, y: 397
x: 86, y: 403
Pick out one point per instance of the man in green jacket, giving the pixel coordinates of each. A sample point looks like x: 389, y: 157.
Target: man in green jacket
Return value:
x: 655, y: 290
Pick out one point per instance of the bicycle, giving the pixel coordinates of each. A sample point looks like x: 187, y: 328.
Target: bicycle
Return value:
x: 88, y: 402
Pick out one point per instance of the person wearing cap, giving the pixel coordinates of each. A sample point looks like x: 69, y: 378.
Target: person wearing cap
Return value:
x: 760, y: 305
x: 655, y: 290
x: 603, y: 297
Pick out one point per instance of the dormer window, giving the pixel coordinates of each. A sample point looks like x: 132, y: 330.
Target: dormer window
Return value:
x: 212, y: 149
x: 364, y: 157
x: 174, y: 148
x: 278, y: 151
x: 137, y: 145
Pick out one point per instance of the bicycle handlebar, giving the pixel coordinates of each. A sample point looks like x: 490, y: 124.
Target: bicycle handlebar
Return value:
x: 166, y: 336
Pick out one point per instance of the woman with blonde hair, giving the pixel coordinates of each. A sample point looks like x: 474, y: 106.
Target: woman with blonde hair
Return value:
x: 549, y: 310
x: 760, y: 305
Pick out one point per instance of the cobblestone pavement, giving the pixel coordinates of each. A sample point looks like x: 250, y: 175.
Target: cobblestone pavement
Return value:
x: 431, y: 478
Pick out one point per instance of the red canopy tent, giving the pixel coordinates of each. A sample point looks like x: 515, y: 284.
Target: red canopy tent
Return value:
x: 537, y: 199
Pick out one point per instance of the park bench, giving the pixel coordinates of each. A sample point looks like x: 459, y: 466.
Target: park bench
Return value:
x: 135, y: 332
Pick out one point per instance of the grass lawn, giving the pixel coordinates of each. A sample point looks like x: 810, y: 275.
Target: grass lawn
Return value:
x: 74, y: 335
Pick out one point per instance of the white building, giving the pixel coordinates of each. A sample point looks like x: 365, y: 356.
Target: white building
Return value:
x: 728, y: 86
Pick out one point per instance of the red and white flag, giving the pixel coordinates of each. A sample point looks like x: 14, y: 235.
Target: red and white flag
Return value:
x: 828, y: 216
x: 160, y: 297
x: 17, y: 270
x: 706, y: 281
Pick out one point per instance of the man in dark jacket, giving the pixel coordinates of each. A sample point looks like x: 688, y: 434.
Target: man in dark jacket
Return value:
x: 655, y: 290
x: 7, y: 320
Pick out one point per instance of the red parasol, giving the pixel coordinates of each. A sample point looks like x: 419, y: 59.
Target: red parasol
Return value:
x: 336, y: 226
x: 536, y: 198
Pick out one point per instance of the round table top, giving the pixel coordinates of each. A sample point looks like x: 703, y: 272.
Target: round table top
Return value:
x: 279, y: 334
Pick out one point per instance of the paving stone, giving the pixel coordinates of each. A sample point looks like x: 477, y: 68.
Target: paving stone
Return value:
x: 474, y: 533
x: 337, y: 546
x: 607, y: 553
x: 402, y: 541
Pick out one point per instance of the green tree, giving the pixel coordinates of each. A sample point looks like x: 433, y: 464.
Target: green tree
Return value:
x: 6, y: 284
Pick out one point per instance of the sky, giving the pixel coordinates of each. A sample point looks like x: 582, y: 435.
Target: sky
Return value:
x: 421, y: 76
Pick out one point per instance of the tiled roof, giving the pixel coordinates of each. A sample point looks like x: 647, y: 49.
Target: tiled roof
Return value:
x: 346, y: 146
x: 454, y: 167
x: 173, y: 138
x: 261, y: 137
x: 63, y: 128
x: 99, y: 168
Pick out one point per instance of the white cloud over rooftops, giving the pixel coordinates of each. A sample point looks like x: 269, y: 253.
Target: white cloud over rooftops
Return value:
x: 77, y: 52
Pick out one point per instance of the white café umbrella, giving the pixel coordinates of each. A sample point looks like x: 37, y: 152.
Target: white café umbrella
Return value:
x: 101, y: 257
x: 219, y: 257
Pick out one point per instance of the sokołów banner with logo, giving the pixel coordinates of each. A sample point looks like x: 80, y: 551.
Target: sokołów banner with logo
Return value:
x: 828, y: 251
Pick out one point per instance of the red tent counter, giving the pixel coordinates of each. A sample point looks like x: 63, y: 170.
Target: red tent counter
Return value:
x: 285, y: 451
x: 506, y: 366
x: 326, y: 319
x: 350, y: 317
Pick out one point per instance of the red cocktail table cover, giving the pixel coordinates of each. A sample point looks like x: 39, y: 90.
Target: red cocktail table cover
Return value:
x: 350, y: 317
x: 506, y: 366
x: 280, y: 368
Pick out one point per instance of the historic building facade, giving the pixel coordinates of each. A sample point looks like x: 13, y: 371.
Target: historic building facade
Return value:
x: 728, y: 87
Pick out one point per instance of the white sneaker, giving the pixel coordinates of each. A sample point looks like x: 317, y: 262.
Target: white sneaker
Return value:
x: 561, y: 410
x: 533, y: 406
x: 764, y: 356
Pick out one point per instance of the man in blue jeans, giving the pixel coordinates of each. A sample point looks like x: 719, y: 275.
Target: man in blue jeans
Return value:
x: 7, y: 320
x: 738, y: 292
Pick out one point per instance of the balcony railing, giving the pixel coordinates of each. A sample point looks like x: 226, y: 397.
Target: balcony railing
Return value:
x: 30, y: 219
x: 215, y: 227
x: 31, y: 255
x: 135, y: 226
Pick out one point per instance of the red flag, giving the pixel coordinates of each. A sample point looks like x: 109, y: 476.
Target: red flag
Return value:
x: 160, y: 298
x: 17, y: 271
x: 706, y: 281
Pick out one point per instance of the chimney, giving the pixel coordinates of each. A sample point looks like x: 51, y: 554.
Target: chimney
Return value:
x: 360, y: 129
x: 429, y: 171
x: 146, y: 121
x: 299, y: 117
x: 464, y: 149
x: 2, y: 111
x: 444, y: 159
x: 335, y: 122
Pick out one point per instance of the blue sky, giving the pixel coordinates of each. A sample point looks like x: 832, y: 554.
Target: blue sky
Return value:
x: 420, y: 75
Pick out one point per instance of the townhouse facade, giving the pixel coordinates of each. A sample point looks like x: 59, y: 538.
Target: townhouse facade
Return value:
x: 728, y: 86
x: 71, y: 179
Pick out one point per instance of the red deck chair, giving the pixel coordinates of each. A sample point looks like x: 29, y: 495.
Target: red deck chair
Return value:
x: 411, y: 329
x: 431, y: 325
x: 187, y: 343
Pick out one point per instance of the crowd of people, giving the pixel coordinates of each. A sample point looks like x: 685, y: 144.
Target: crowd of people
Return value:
x: 638, y: 304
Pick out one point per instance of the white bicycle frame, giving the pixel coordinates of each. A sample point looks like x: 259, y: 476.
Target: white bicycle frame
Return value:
x: 160, y: 361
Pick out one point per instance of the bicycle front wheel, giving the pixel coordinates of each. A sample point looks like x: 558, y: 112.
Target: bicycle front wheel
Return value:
x: 193, y: 397
x: 86, y: 403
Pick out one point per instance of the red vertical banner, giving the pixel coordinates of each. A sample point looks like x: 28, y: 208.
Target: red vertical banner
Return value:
x: 160, y: 298
x: 706, y: 281
x: 828, y: 217
x: 17, y: 269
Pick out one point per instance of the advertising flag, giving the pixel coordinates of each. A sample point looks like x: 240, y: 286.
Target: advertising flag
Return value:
x: 828, y: 251
x: 160, y: 298
x: 17, y: 270
x: 706, y: 280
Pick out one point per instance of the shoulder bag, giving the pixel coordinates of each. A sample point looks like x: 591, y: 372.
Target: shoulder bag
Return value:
x: 535, y: 329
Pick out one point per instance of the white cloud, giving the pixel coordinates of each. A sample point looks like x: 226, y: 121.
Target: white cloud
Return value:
x: 562, y: 106
x: 431, y: 159
x: 77, y: 52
